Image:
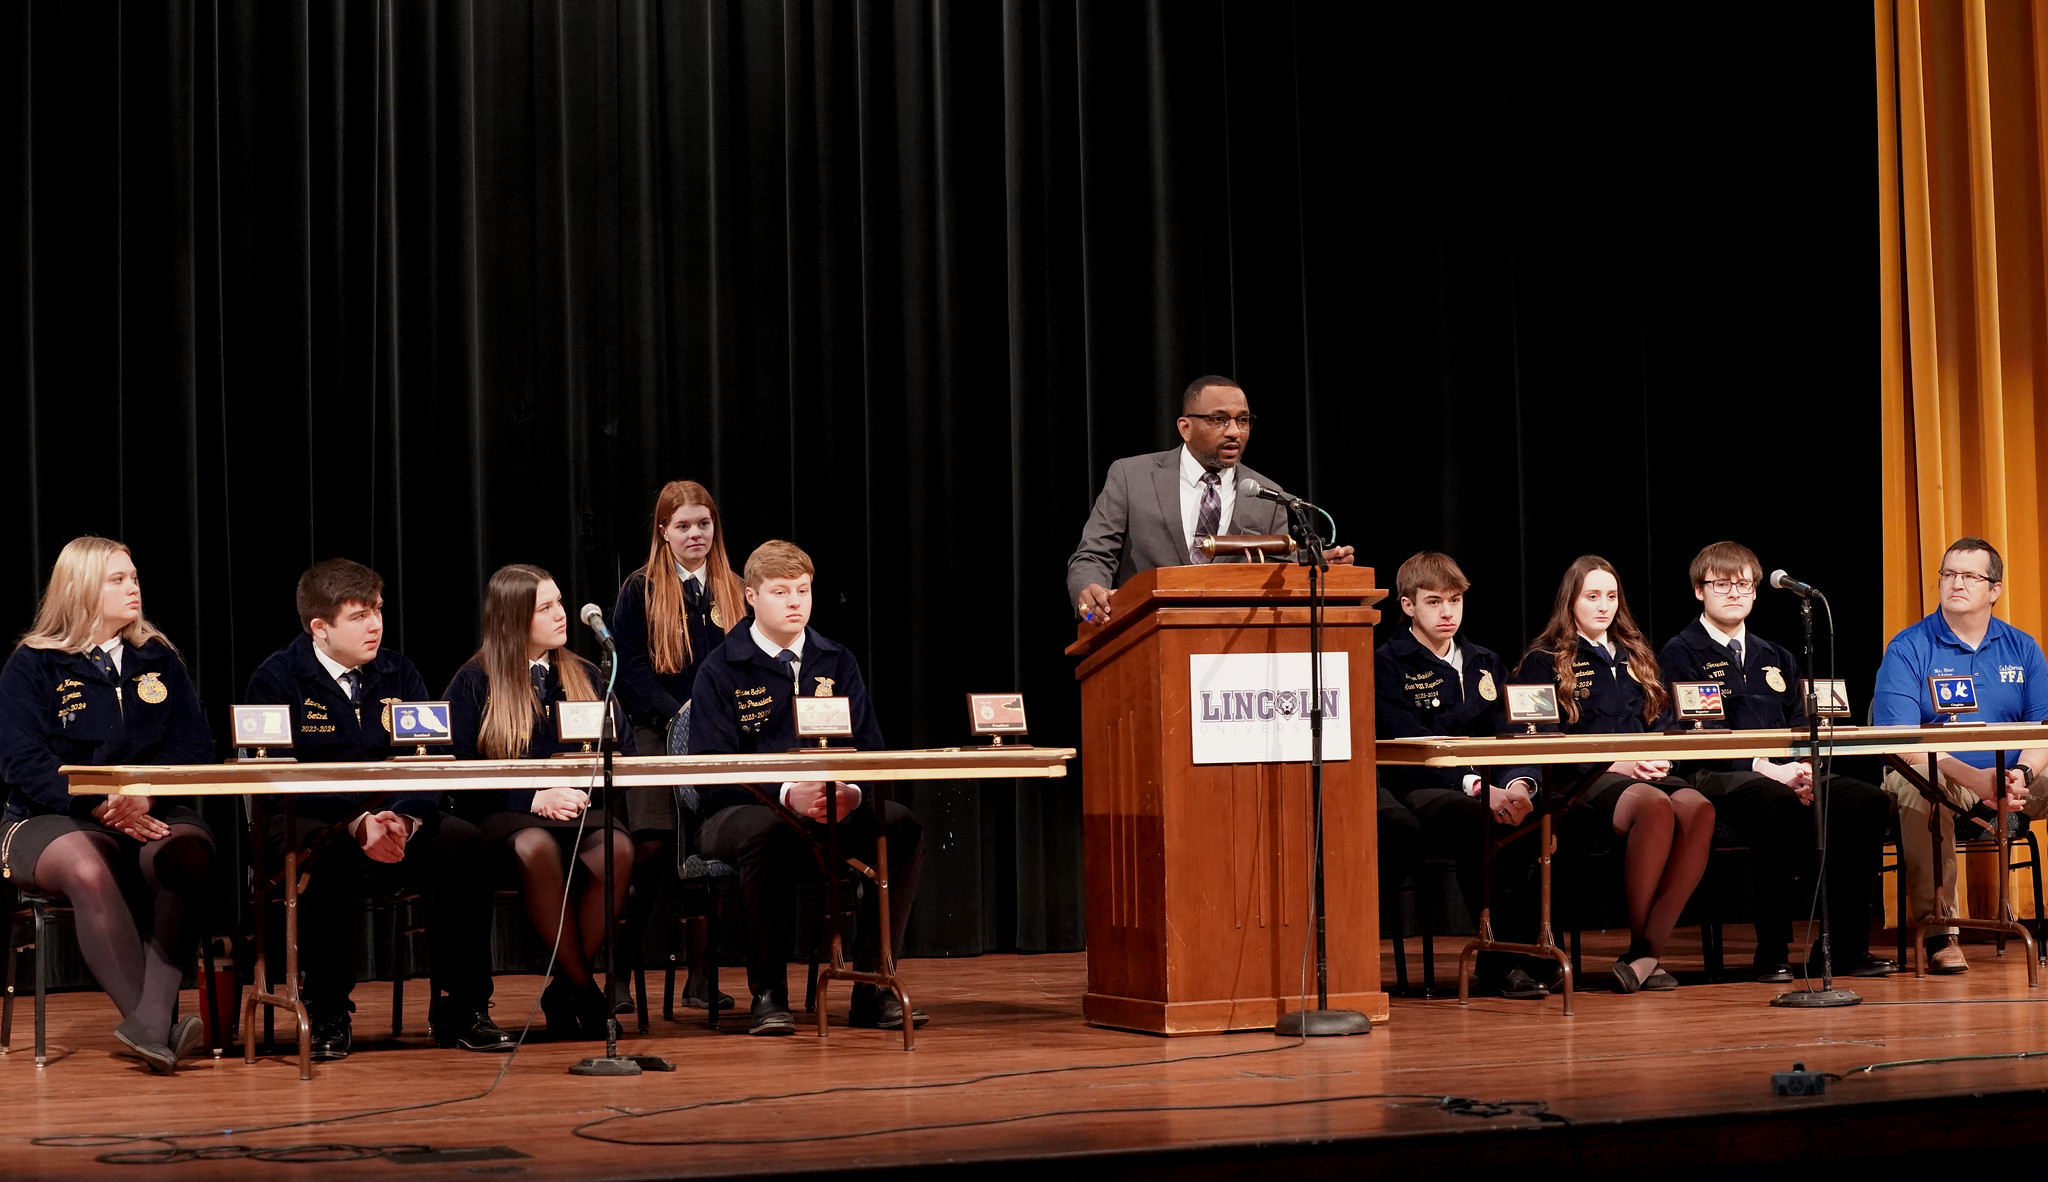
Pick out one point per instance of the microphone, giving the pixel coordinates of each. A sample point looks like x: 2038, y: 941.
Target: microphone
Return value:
x: 593, y: 615
x: 1785, y: 582
x: 1249, y: 487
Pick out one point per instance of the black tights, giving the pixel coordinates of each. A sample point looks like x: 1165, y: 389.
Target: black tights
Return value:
x: 129, y: 905
x: 542, y: 879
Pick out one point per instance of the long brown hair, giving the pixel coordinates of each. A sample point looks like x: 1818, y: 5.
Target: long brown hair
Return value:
x: 668, y: 642
x: 512, y: 704
x: 69, y: 615
x: 1560, y: 638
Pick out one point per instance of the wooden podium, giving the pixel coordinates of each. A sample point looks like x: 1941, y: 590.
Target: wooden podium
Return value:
x: 1198, y: 875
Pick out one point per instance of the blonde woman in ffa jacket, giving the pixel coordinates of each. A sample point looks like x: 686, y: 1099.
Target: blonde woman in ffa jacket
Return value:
x: 93, y: 682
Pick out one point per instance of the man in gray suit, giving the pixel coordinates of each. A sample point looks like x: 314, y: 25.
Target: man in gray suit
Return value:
x: 1154, y: 508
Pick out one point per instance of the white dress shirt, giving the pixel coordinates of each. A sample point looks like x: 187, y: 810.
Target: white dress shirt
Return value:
x: 1191, y: 472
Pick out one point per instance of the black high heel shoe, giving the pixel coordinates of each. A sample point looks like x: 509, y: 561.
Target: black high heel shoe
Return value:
x: 594, y: 1012
x: 562, y: 1003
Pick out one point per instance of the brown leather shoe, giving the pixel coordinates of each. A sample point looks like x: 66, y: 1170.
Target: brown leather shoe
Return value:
x: 1948, y: 959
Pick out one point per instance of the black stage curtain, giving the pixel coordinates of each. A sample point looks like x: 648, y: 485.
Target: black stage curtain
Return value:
x: 441, y: 286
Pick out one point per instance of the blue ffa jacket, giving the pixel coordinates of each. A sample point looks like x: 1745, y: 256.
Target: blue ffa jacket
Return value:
x: 57, y: 708
x: 328, y: 728
x: 467, y: 696
x: 2012, y: 678
x: 1762, y: 695
x: 1610, y: 699
x: 653, y: 699
x: 741, y: 703
x: 1420, y: 694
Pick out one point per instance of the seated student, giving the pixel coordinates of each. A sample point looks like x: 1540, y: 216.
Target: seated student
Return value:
x: 1431, y: 681
x: 742, y: 705
x: 1766, y: 801
x: 1961, y: 636
x: 1607, y: 683
x: 501, y: 706
x: 341, y: 682
x: 94, y: 682
x: 670, y: 614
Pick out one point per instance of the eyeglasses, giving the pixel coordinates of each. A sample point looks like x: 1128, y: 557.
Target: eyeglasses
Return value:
x: 1219, y: 420
x: 1970, y: 578
x: 1736, y: 587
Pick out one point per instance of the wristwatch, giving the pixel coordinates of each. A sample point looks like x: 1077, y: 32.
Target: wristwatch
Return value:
x: 2021, y: 767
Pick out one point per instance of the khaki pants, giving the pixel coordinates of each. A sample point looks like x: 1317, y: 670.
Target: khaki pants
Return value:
x: 1914, y: 847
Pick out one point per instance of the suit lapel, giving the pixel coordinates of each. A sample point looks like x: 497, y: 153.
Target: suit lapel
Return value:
x: 1166, y: 481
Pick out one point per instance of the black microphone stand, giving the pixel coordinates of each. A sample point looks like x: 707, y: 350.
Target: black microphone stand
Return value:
x: 1827, y: 995
x: 611, y: 1062
x: 1322, y: 1020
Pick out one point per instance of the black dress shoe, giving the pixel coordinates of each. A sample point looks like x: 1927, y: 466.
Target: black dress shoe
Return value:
x: 876, y: 1008
x: 622, y: 997
x: 694, y: 990
x: 1776, y: 973
x: 331, y: 1037
x: 469, y: 1027
x: 1871, y: 966
x: 1518, y: 985
x: 771, y: 1015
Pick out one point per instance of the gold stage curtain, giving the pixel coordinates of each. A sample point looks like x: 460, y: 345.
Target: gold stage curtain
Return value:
x: 1962, y: 117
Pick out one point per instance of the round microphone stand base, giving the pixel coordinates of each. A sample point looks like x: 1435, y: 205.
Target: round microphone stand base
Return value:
x: 1817, y: 999
x: 1321, y: 1023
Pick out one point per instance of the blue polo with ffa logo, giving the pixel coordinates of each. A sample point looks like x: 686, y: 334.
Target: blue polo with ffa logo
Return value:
x: 2011, y: 675
x: 741, y: 703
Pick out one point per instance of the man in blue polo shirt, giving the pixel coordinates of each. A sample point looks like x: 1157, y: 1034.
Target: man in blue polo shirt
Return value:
x: 2012, y: 686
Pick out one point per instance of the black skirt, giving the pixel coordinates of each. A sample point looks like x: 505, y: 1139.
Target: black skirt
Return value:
x: 22, y: 841
x: 500, y: 826
x: 1593, y: 812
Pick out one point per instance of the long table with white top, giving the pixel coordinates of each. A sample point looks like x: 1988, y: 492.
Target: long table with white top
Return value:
x: 262, y: 779
x: 1897, y: 745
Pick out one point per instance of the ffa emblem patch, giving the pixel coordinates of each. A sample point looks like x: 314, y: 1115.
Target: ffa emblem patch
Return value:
x: 824, y: 689
x: 385, y: 716
x: 1774, y: 679
x: 150, y: 688
x: 716, y: 620
x: 1486, y: 689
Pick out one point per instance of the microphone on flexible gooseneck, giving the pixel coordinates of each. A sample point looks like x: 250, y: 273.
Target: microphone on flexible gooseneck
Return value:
x: 1785, y: 582
x: 1248, y: 487
x: 593, y: 615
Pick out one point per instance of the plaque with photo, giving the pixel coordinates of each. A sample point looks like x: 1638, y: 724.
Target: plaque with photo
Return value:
x: 260, y: 728
x: 1697, y: 701
x: 1830, y: 695
x: 420, y: 725
x: 1531, y: 704
x: 996, y: 715
x: 823, y: 719
x: 1952, y: 694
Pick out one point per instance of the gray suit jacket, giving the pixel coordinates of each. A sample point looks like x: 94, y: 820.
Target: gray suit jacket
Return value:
x: 1135, y: 525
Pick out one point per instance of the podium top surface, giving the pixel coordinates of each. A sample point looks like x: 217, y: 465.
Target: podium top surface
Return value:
x: 628, y: 771
x: 1770, y: 744
x: 1220, y: 584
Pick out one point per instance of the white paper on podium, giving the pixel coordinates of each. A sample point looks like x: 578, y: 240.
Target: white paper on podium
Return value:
x: 1253, y: 707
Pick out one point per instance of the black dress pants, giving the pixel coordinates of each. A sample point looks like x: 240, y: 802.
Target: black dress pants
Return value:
x: 772, y: 857
x: 1779, y: 831
x: 447, y: 861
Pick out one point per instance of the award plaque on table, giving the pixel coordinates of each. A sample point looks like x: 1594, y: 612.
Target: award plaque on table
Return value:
x: 420, y: 725
x: 259, y: 729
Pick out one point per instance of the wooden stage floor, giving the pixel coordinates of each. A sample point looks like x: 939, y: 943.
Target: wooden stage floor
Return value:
x: 1672, y: 1084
